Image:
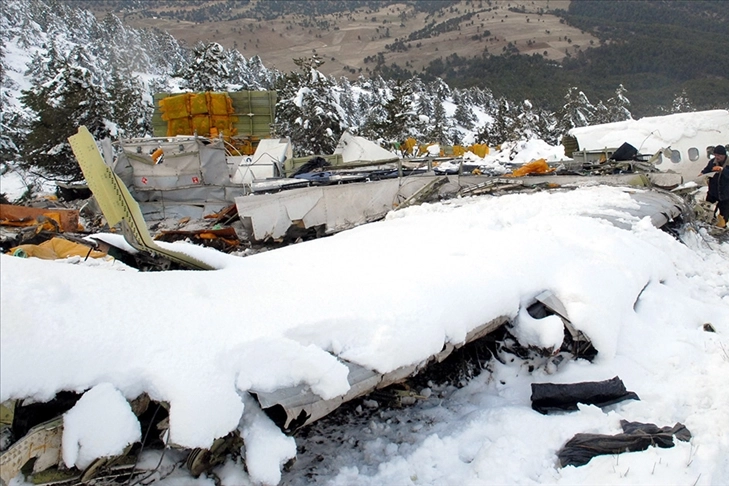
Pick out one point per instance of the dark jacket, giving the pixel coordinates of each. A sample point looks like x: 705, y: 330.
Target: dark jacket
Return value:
x: 718, y: 183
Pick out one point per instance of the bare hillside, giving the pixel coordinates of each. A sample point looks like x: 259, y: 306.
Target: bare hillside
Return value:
x: 350, y: 43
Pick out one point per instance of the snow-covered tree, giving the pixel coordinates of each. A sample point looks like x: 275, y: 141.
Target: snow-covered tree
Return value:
x: 70, y: 99
x: 131, y: 110
x: 682, y: 103
x: 438, y: 127
x: 348, y: 103
x: 617, y: 106
x: 464, y: 115
x: 208, y: 70
x: 501, y: 128
x: 308, y: 111
x: 8, y: 148
x: 398, y: 112
x: 526, y: 123
x: 576, y: 112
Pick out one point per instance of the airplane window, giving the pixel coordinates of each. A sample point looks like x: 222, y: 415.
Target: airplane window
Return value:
x: 693, y: 154
x: 710, y: 151
x: 675, y: 156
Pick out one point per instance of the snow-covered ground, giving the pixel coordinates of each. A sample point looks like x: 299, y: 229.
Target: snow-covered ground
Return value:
x: 386, y: 295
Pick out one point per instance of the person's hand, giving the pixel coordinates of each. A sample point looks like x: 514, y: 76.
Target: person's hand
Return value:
x: 716, y: 168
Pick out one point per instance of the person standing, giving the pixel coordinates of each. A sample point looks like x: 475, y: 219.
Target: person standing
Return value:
x: 719, y: 184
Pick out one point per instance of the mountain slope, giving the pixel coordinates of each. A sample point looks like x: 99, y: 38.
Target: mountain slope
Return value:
x: 656, y: 49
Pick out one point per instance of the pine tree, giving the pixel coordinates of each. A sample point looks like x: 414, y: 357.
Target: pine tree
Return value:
x: 348, y: 104
x: 131, y: 110
x: 617, y: 106
x: 601, y: 115
x: 308, y: 111
x: 393, y: 128
x: 576, y: 112
x: 682, y: 103
x: 439, y: 129
x: 239, y: 75
x: 501, y: 128
x: 526, y: 123
x: 208, y: 70
x: 464, y: 115
x: 60, y: 106
x: 8, y: 148
x: 371, y: 106
x: 261, y: 77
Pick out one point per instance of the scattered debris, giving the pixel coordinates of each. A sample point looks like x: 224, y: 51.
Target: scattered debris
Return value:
x: 52, y: 219
x: 118, y: 205
x: 636, y: 436
x: 424, y: 193
x: 322, y: 207
x: 72, y: 191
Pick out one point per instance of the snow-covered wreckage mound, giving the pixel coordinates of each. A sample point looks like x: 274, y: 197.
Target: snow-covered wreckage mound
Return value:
x: 384, y: 296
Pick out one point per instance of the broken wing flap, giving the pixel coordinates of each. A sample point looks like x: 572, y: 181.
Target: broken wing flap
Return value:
x: 117, y: 203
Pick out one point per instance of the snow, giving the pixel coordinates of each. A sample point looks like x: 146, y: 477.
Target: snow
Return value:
x: 100, y: 424
x: 386, y: 295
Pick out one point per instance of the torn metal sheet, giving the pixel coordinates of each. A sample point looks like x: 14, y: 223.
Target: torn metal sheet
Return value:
x: 661, y: 207
x: 267, y: 161
x: 336, y: 208
x: 58, y: 219
x: 339, y: 207
x: 294, y: 407
x: 424, y: 193
x: 42, y: 443
x: 355, y: 149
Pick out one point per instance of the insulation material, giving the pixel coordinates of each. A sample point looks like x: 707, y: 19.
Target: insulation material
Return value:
x: 201, y: 113
x: 54, y: 249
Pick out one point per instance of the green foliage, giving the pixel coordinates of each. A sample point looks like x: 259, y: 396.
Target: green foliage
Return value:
x: 207, y: 70
x: 398, y: 114
x: 60, y: 107
x: 308, y: 111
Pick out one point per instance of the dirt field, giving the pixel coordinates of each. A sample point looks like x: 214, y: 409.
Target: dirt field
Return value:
x: 350, y: 39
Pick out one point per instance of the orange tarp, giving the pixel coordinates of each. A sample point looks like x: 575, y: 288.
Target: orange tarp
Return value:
x: 536, y: 167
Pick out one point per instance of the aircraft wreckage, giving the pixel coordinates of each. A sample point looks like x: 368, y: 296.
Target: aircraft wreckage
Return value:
x: 191, y: 177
